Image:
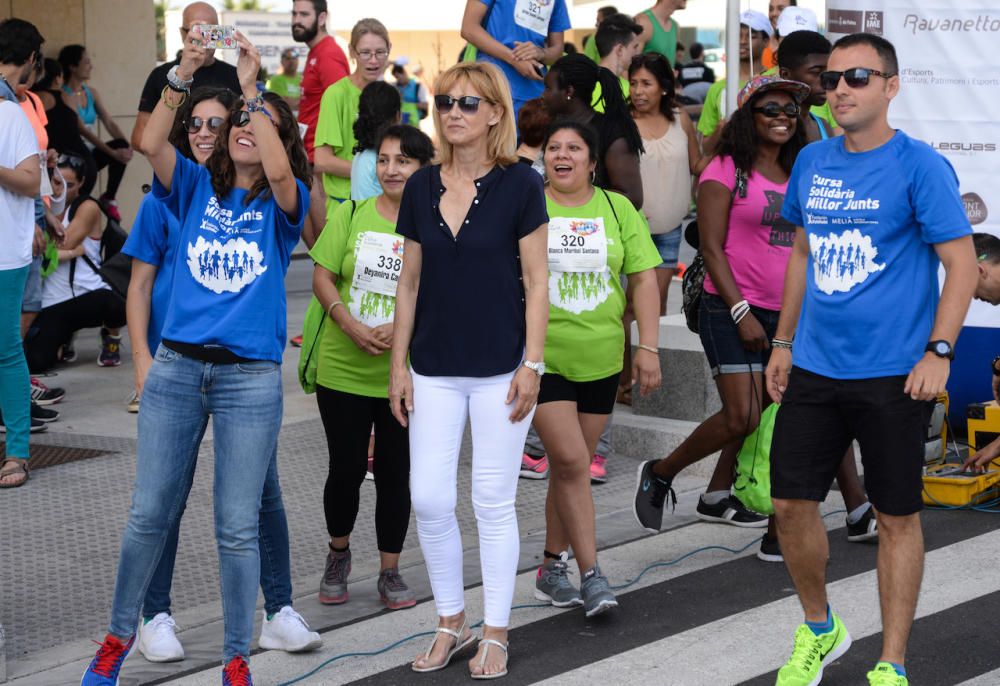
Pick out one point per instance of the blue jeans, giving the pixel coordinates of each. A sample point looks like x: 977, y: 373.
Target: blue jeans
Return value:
x: 275, y: 563
x: 15, y: 389
x: 245, y: 403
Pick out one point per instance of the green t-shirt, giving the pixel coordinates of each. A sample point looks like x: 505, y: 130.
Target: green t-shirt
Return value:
x: 598, y: 104
x: 585, y: 339
x: 590, y: 48
x: 342, y: 365
x: 285, y: 86
x: 338, y: 109
x: 711, y: 111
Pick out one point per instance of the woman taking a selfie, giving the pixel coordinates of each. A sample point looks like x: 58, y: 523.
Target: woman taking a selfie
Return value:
x: 240, y: 217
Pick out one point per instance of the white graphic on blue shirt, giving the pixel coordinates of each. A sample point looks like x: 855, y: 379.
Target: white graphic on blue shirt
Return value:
x: 842, y: 262
x: 225, y: 267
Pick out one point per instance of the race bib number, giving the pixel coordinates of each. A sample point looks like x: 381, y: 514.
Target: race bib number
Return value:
x: 534, y: 15
x: 577, y: 245
x: 379, y: 261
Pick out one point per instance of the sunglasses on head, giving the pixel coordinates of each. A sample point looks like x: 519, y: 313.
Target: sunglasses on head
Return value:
x: 469, y: 104
x: 857, y: 77
x: 74, y: 162
x: 772, y: 110
x: 241, y: 118
x: 194, y: 124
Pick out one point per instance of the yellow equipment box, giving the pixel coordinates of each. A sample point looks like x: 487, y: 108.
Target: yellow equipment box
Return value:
x: 984, y: 424
x: 946, y: 484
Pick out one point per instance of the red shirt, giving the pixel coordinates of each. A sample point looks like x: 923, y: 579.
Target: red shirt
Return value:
x: 325, y: 65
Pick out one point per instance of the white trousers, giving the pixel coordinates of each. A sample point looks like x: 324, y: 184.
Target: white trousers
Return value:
x: 441, y: 406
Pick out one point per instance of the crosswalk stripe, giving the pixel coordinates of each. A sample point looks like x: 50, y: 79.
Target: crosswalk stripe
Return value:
x: 758, y: 640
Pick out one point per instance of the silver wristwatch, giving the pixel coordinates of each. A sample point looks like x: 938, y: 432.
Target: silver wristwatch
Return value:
x: 536, y: 367
x: 176, y: 82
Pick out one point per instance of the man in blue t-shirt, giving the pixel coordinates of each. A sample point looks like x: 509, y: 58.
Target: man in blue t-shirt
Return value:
x: 878, y: 213
x: 520, y: 37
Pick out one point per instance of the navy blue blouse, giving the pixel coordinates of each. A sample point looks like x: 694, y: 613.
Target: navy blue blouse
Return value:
x: 470, y: 318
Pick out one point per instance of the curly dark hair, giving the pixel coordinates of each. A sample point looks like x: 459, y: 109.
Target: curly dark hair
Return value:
x: 657, y: 65
x: 178, y: 134
x: 378, y: 108
x: 739, y: 140
x: 220, y: 164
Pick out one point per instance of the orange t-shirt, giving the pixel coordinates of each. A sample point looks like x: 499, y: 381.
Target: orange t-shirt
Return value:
x: 769, y: 59
x: 35, y: 109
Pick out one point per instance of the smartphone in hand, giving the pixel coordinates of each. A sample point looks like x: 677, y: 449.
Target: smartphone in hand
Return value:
x: 219, y: 37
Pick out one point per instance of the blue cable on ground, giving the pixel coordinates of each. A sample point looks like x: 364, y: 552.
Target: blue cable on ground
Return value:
x: 411, y: 637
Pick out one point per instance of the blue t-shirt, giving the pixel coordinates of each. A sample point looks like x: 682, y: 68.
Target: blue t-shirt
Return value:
x: 524, y: 21
x: 153, y: 239
x: 872, y: 219
x: 364, y: 180
x: 229, y: 268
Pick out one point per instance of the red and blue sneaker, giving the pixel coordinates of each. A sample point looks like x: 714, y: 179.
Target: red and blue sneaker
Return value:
x: 236, y: 673
x: 104, y: 668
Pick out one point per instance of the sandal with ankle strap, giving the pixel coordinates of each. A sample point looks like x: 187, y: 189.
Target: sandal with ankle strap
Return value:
x: 21, y: 470
x: 482, y: 659
x: 459, y: 645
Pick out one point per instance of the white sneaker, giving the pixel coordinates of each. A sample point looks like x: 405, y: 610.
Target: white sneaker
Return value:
x: 289, y: 632
x: 158, y: 640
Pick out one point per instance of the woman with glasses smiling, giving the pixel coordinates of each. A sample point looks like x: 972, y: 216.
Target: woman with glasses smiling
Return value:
x: 220, y: 355
x: 338, y: 109
x: 153, y: 244
x: 746, y: 245
x: 471, y: 312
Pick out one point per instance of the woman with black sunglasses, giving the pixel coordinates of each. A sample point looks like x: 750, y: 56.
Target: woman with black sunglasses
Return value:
x: 153, y: 245
x: 239, y: 218
x: 746, y: 245
x: 471, y: 311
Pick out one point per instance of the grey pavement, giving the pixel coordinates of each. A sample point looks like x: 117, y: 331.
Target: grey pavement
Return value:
x: 63, y: 529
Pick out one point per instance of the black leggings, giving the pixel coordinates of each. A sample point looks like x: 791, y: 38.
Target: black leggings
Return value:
x: 116, y: 170
x: 348, y: 419
x: 57, y: 323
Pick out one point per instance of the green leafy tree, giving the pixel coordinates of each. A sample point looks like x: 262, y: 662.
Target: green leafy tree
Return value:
x: 253, y: 5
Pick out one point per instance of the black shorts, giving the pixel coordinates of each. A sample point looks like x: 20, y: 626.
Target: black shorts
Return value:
x: 818, y: 419
x: 591, y: 397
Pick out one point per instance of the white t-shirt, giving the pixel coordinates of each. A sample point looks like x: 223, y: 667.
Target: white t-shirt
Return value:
x: 17, y: 212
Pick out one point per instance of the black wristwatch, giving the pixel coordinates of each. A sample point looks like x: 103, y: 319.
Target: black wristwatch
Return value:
x: 996, y: 366
x: 941, y: 348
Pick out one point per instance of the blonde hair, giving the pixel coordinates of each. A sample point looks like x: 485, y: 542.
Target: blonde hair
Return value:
x: 366, y: 26
x: 491, y: 84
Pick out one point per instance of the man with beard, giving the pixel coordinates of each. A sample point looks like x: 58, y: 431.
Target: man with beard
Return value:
x: 325, y: 65
x: 213, y: 72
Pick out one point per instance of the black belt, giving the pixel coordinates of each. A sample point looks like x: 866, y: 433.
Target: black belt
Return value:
x: 215, y: 354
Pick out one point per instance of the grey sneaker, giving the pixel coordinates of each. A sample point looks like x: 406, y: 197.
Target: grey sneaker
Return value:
x: 552, y: 584
x: 596, y: 591
x: 333, y: 587
x: 393, y: 591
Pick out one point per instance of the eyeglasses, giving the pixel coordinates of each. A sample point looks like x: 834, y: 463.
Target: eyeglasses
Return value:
x: 368, y: 54
x: 467, y: 104
x: 241, y: 118
x: 773, y: 110
x: 195, y: 124
x: 856, y: 77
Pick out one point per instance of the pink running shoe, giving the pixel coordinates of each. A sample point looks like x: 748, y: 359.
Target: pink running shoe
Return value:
x: 534, y: 467
x: 598, y: 469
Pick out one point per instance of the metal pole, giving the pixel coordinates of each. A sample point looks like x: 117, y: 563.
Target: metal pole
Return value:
x: 732, y: 55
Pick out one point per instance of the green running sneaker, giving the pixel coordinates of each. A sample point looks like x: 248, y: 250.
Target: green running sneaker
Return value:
x: 812, y: 653
x: 884, y: 674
